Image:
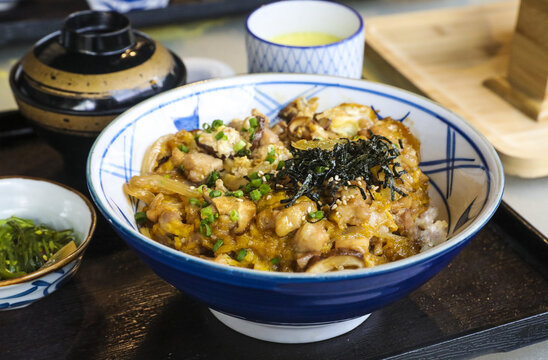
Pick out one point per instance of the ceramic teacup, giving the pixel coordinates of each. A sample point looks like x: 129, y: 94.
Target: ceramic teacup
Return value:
x: 318, y: 37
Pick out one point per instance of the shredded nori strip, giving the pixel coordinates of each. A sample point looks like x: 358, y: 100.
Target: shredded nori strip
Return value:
x: 319, y: 172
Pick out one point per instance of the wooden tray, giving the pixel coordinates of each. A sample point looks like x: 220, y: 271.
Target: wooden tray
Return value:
x: 492, y: 297
x: 447, y: 54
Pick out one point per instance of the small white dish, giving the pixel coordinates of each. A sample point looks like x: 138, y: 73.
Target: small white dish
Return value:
x: 200, y: 68
x: 57, y: 206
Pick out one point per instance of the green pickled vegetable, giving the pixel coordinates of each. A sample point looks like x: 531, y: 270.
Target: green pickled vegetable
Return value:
x: 25, y: 247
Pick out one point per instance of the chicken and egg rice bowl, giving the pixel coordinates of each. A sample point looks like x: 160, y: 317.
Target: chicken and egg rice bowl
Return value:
x: 316, y: 192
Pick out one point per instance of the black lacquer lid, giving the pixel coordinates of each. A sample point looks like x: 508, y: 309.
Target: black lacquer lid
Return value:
x: 95, y: 65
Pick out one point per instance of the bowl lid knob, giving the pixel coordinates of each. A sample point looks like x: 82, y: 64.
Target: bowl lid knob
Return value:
x: 97, y: 33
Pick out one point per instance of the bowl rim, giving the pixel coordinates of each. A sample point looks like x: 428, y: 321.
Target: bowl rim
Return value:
x: 336, y: 43
x: 75, y: 254
x: 239, y: 80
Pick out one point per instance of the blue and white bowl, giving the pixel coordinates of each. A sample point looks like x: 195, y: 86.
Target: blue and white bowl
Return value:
x: 466, y: 180
x: 125, y: 6
x: 57, y: 206
x: 341, y: 58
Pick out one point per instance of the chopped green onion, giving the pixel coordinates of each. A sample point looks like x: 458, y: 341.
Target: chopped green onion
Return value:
x: 248, y: 188
x: 241, y: 254
x: 207, y: 128
x: 272, y: 150
x: 204, y: 228
x: 255, y: 195
x: 264, y: 189
x: 196, y: 136
x: 140, y: 217
x: 234, y: 216
x: 201, y: 188
x: 216, y: 124
x: 220, y: 136
x: 275, y: 260
x: 182, y: 167
x: 251, y: 134
x: 194, y: 201
x: 270, y: 159
x: 238, y: 193
x: 217, y: 245
x: 183, y: 148
x: 320, y: 169
x: 207, y: 214
x: 167, y: 176
x: 281, y: 165
x: 253, y: 122
x: 212, y: 178
x: 256, y: 182
x: 215, y: 193
x: 240, y: 145
x: 316, y: 215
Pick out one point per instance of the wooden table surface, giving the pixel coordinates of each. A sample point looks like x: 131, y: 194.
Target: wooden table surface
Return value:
x: 490, y: 298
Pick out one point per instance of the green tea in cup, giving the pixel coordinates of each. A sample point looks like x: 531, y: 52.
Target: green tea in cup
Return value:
x: 305, y: 38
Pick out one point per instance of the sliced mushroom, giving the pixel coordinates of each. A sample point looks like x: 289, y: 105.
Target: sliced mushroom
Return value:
x: 324, y: 121
x: 302, y: 261
x: 335, y: 260
x: 297, y: 122
x: 288, y: 112
x: 261, y: 123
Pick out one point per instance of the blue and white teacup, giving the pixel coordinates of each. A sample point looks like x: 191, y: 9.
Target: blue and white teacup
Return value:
x: 318, y: 37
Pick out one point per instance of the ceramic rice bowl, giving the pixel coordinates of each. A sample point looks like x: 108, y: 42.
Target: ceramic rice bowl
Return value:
x: 466, y: 180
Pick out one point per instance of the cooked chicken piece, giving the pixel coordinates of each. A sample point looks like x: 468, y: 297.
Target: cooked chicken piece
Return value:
x: 355, y: 212
x: 199, y: 165
x: 170, y: 222
x: 177, y: 157
x: 266, y: 219
x: 311, y: 237
x: 219, y: 185
x: 222, y: 147
x: 245, y: 210
x: 269, y: 137
x: 291, y: 218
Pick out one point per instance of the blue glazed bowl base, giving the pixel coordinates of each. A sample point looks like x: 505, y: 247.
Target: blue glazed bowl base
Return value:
x: 289, y: 334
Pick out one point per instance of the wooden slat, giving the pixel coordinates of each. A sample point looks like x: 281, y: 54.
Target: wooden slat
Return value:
x: 448, y: 54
